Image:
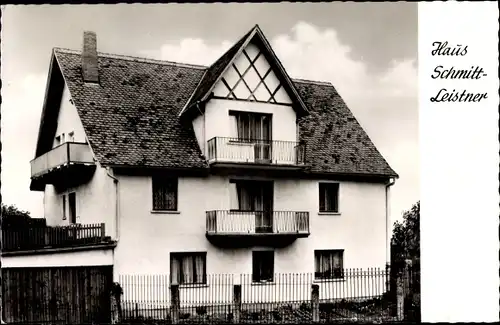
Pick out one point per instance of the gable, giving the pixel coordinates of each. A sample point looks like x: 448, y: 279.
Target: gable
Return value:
x: 251, y: 77
x: 69, y: 125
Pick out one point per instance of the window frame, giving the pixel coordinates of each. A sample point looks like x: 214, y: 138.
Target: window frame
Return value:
x: 336, y: 274
x: 162, y: 179
x: 323, y: 188
x: 64, y: 217
x: 258, y: 278
x: 193, y: 255
x: 249, y: 116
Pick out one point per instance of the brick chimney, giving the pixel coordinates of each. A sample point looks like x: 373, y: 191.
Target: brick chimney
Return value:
x: 90, y: 70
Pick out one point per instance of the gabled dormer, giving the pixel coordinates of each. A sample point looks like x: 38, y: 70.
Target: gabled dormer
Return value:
x: 245, y: 108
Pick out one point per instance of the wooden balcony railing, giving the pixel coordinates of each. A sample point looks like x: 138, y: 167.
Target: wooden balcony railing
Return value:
x: 66, y: 153
x: 224, y: 222
x: 263, y: 152
x: 34, y: 238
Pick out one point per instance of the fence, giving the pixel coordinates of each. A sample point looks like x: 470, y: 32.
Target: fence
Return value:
x: 62, y: 295
x: 51, y: 237
x: 357, y: 295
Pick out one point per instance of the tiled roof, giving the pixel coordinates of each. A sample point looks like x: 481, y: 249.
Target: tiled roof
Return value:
x: 131, y: 118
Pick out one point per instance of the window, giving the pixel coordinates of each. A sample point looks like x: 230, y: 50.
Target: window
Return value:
x: 64, y: 207
x: 328, y: 197
x: 329, y: 264
x: 72, y: 207
x: 251, y: 195
x: 188, y: 268
x: 250, y: 126
x: 164, y: 193
x: 263, y: 266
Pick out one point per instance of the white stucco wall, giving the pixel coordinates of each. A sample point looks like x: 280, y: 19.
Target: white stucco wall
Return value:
x: 68, y: 119
x: 218, y: 123
x: 76, y: 258
x: 147, y: 238
x: 95, y: 202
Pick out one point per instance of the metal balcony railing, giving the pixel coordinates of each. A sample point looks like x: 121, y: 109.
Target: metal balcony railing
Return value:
x: 231, y: 222
x: 255, y: 151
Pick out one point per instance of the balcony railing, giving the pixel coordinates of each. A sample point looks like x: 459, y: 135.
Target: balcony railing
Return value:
x: 66, y: 153
x: 266, y: 152
x: 34, y: 238
x: 224, y: 222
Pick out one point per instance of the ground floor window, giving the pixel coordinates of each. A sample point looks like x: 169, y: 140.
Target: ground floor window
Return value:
x: 188, y: 268
x: 329, y: 264
x: 262, y: 266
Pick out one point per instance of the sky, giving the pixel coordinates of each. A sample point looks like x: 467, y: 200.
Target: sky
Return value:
x: 368, y: 51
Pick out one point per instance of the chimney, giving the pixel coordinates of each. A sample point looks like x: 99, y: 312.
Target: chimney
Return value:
x: 90, y: 70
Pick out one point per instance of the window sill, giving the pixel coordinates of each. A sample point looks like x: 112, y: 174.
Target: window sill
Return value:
x: 327, y: 213
x: 329, y: 280
x: 263, y: 283
x: 194, y: 285
x: 165, y: 212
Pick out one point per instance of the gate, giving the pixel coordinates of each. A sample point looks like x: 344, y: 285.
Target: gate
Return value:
x: 65, y: 295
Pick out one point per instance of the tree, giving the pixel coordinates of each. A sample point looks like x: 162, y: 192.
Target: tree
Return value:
x: 406, y: 235
x: 14, y: 217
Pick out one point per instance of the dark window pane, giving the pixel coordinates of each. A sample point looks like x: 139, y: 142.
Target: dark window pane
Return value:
x: 328, y: 264
x: 164, y: 193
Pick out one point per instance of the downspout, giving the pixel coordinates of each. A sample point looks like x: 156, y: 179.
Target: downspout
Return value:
x: 204, y: 128
x: 387, y: 215
x: 117, y: 219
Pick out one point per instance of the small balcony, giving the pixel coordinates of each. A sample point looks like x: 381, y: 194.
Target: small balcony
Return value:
x: 45, y: 237
x: 256, y: 227
x: 69, y: 161
x: 276, y: 154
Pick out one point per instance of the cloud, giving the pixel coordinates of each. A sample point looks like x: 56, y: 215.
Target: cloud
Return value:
x: 385, y: 103
x: 21, y: 109
x: 193, y: 51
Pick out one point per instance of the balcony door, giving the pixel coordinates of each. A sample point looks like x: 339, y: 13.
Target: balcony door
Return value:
x: 256, y: 129
x: 256, y: 197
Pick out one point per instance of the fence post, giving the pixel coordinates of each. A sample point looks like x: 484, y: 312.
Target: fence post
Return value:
x: 315, y: 302
x: 407, y: 300
x: 236, y: 303
x: 176, y: 303
x: 403, y: 300
x: 103, y: 231
x: 116, y: 308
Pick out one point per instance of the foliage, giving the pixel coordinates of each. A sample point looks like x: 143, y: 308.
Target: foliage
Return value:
x: 406, y: 234
x: 12, y: 217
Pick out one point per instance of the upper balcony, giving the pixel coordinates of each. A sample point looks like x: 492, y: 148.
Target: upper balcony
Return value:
x: 29, y: 239
x: 235, y: 227
x: 248, y: 153
x: 68, y: 161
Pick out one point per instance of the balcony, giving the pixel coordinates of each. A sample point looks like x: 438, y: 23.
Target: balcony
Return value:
x: 69, y: 161
x: 44, y: 237
x: 256, y: 227
x: 233, y: 152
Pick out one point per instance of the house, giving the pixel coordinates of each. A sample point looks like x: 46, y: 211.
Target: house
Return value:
x: 191, y: 170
